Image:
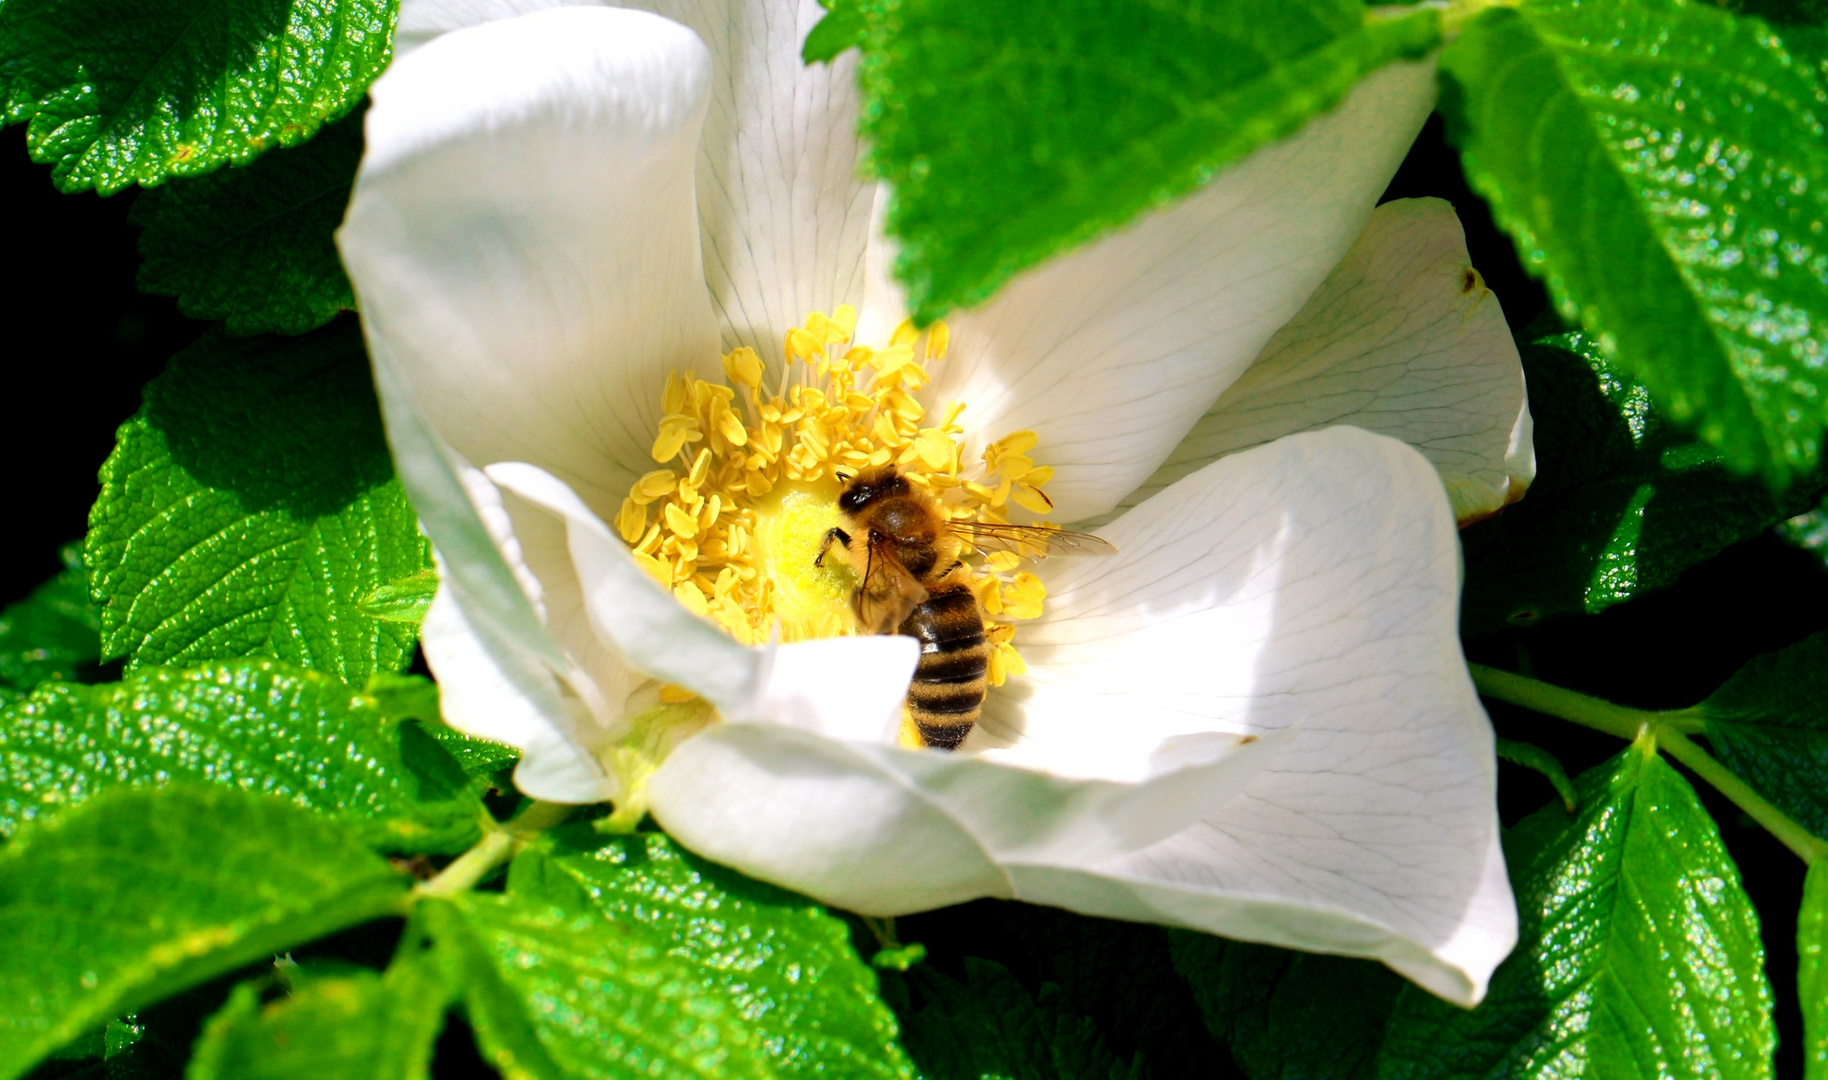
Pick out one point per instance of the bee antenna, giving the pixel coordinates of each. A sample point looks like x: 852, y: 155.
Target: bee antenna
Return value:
x: 842, y: 475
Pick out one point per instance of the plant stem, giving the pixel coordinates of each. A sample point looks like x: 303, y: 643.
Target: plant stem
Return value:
x: 1670, y: 730
x: 465, y: 872
x: 1567, y: 704
x: 1760, y: 809
x: 536, y: 817
x: 497, y: 846
x: 1457, y: 13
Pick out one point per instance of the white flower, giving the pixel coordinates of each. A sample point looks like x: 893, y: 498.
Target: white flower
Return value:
x: 1255, y: 720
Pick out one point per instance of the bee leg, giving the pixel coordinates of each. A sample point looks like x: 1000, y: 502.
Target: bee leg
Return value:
x: 832, y: 536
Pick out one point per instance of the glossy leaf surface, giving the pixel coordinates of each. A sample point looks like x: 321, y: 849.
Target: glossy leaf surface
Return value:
x: 1659, y: 163
x: 140, y: 894
x: 1812, y: 971
x: 363, y: 1026
x: 1639, y: 954
x: 253, y: 725
x: 1011, y: 131
x: 248, y: 507
x: 1623, y: 501
x: 561, y: 996
x: 123, y: 92
x: 781, y: 962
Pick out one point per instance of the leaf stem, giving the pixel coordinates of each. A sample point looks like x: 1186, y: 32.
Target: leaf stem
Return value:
x: 497, y: 846
x: 1669, y: 729
x: 1569, y: 705
x: 1760, y: 809
x: 1457, y: 13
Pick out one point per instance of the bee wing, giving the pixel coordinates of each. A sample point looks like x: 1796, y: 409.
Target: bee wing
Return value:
x: 1030, y: 541
x: 889, y: 593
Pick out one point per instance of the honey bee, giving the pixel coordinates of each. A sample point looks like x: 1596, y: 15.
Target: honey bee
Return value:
x: 912, y: 582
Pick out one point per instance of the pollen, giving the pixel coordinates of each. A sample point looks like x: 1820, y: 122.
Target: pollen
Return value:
x: 735, y: 520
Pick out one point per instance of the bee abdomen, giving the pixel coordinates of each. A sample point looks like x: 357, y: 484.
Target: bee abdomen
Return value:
x: 948, y: 687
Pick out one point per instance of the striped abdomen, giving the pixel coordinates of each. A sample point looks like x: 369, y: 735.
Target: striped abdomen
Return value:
x: 948, y: 686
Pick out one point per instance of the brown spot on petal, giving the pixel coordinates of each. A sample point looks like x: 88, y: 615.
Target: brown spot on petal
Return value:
x: 1514, y: 490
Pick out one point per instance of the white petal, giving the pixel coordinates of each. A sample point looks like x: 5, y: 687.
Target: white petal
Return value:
x: 422, y: 20
x: 520, y: 704
x: 629, y: 609
x: 523, y: 240
x: 1308, y: 586
x: 844, y: 688
x: 1403, y: 339
x: 1112, y: 352
x: 786, y: 216
x: 887, y: 831
x: 787, y: 684
x: 561, y: 717
x: 503, y: 633
x: 444, y: 490
x: 821, y: 816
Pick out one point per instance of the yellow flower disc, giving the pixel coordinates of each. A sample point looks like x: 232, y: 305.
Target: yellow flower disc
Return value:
x: 735, y: 522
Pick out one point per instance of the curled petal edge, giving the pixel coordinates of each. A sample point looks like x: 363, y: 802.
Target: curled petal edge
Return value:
x: 844, y: 820
x: 847, y: 687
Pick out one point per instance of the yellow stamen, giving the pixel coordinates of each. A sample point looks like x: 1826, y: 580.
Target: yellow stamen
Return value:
x: 632, y: 521
x: 675, y: 431
x: 740, y: 537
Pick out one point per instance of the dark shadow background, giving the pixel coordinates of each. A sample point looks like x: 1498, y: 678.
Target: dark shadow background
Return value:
x: 82, y: 342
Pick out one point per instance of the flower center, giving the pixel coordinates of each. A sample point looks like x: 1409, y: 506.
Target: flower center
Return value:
x: 736, y: 521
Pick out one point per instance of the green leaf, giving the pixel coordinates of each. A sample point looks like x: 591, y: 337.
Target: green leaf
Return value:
x: 139, y: 894
x: 1660, y: 164
x: 122, y: 92
x: 1120, y: 975
x: 1783, y: 13
x: 988, y: 1026
x: 248, y: 507
x: 254, y: 246
x: 1639, y: 953
x: 1769, y: 724
x: 363, y: 1026
x: 250, y: 724
x: 153, y: 1043
x: 414, y: 697
x: 1812, y: 971
x: 782, y: 964
x: 1623, y: 501
x: 1808, y: 531
x: 1538, y: 760
x: 555, y: 995
x: 404, y: 600
x: 1011, y: 130
x: 842, y: 28
x: 1289, y: 1015
x: 107, y: 1053
x: 55, y: 633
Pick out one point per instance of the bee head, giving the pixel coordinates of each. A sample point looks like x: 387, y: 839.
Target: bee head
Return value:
x: 869, y: 485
